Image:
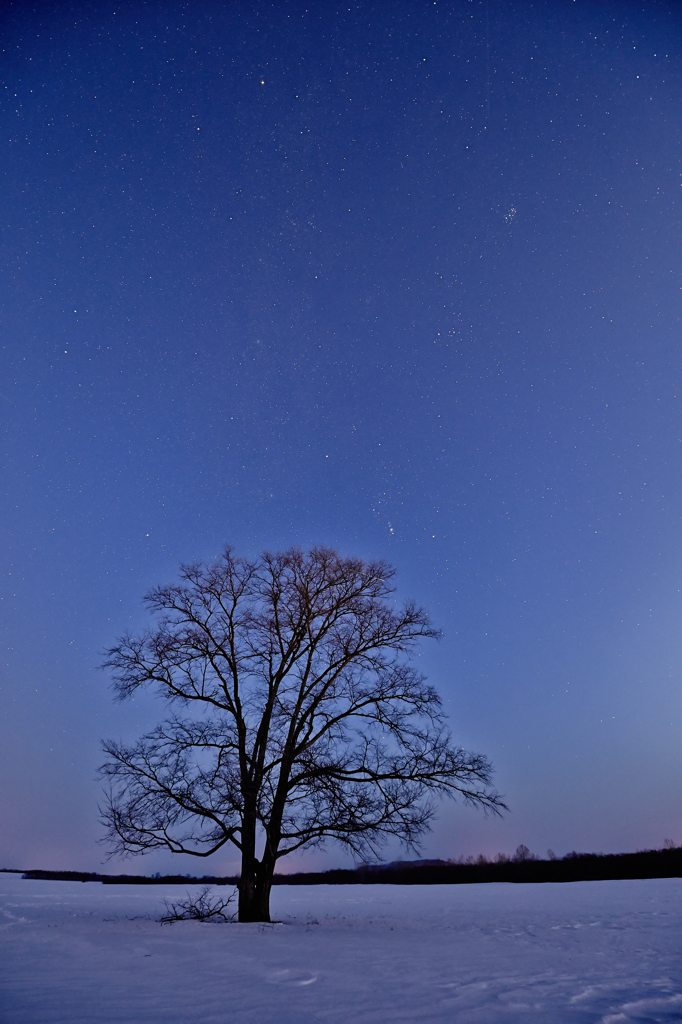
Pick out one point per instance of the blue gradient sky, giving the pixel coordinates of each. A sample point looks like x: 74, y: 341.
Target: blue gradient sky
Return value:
x: 399, y: 278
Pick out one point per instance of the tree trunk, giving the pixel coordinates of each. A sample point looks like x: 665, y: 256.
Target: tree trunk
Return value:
x: 250, y: 906
x: 254, y: 892
x: 255, y: 881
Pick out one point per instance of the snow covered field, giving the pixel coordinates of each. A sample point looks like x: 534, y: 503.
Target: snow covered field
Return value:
x: 587, y: 951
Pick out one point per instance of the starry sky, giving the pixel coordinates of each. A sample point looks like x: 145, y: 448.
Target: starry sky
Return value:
x: 400, y: 278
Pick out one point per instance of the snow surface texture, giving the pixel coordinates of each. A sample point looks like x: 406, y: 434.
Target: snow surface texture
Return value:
x: 607, y: 952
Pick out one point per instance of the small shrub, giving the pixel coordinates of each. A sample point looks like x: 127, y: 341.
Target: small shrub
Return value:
x: 203, y: 907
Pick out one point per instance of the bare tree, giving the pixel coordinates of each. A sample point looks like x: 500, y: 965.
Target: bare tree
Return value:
x: 296, y: 717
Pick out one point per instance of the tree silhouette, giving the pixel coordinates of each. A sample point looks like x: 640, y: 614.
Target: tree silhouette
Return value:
x: 296, y: 717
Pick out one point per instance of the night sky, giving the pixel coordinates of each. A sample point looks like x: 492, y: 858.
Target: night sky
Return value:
x: 399, y: 278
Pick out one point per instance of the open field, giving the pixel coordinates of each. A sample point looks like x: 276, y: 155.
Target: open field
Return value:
x: 581, y: 952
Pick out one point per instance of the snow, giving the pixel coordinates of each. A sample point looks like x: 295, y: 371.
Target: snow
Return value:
x: 606, y: 952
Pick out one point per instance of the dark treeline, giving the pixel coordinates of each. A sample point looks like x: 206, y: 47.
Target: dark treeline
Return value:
x: 93, y: 876
x: 576, y: 867
x: 522, y: 867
